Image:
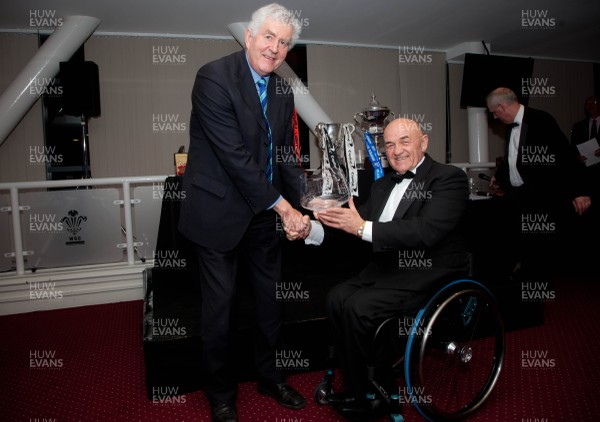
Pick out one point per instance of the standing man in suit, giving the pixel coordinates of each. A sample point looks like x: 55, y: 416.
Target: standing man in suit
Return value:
x: 412, y: 219
x: 235, y: 192
x: 542, y: 183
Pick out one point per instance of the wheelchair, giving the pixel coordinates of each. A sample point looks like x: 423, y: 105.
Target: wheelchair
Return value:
x: 449, y: 353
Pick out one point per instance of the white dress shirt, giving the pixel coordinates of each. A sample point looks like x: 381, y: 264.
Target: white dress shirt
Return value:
x: 317, y: 234
x: 513, y: 150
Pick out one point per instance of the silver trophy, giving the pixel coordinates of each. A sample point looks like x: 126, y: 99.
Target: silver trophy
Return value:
x: 330, y: 141
x: 373, y: 120
x: 327, y: 186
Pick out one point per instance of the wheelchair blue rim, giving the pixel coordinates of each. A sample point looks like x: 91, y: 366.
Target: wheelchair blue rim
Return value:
x: 418, y: 318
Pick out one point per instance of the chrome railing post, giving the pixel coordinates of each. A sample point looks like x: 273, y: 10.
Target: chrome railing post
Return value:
x: 16, y: 222
x: 128, y: 222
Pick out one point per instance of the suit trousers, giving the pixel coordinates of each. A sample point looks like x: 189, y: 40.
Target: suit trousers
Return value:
x: 356, y: 307
x: 259, y: 251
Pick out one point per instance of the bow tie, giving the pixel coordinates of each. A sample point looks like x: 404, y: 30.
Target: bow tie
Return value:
x: 511, y: 125
x: 397, y: 177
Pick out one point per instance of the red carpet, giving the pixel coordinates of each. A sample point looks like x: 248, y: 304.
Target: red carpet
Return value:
x: 87, y: 364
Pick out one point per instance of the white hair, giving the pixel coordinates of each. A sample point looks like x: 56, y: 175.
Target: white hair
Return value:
x: 278, y: 13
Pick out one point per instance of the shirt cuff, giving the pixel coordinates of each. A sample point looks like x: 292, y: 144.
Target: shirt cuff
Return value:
x: 316, y: 235
x: 275, y: 203
x: 368, y: 232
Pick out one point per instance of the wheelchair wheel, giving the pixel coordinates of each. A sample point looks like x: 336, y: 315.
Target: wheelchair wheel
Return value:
x: 454, y: 353
x: 322, y: 392
x: 324, y: 389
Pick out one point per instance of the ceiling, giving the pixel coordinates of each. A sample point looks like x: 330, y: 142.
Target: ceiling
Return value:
x: 561, y: 29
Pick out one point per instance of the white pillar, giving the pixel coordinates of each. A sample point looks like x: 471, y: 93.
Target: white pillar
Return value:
x: 18, y: 98
x: 477, y: 116
x: 478, y: 134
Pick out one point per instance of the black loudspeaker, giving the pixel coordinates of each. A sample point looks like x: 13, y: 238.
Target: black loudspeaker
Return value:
x: 81, y: 88
x: 484, y: 72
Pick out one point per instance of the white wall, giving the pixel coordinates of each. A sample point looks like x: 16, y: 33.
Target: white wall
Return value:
x: 145, y: 79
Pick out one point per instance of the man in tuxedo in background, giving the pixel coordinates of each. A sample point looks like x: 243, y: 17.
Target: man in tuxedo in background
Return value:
x: 235, y: 193
x: 542, y: 184
x: 414, y: 211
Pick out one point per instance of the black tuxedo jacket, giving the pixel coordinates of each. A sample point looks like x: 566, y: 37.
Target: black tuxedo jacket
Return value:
x: 426, y: 226
x: 224, y: 181
x: 545, y: 160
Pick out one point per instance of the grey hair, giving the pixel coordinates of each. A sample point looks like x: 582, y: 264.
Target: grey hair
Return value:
x: 501, y: 96
x: 278, y: 13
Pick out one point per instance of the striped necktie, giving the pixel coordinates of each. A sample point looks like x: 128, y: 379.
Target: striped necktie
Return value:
x: 262, y: 85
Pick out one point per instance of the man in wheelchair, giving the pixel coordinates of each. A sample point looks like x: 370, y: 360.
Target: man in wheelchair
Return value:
x: 412, y: 219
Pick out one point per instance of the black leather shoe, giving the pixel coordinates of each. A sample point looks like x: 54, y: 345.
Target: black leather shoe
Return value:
x: 362, y: 410
x: 283, y: 393
x: 223, y: 412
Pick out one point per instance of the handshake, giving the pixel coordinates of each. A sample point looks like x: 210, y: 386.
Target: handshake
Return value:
x: 297, y: 227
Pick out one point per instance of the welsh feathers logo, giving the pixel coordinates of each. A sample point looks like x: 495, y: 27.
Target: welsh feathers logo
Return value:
x: 73, y: 224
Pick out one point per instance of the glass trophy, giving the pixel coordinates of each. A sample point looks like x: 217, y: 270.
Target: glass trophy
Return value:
x: 324, y: 188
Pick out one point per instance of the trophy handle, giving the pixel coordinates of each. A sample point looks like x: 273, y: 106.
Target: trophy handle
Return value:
x: 319, y: 134
x: 358, y: 114
x: 390, y: 116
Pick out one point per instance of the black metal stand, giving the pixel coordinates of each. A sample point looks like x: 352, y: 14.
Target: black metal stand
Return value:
x: 86, y: 173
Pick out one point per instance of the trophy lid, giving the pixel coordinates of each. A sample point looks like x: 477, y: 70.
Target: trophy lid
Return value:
x: 374, y: 105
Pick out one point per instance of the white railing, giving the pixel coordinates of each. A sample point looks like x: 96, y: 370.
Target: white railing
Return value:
x: 125, y: 182
x: 15, y: 207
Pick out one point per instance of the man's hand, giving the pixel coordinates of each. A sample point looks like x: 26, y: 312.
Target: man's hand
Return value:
x: 581, y: 204
x: 495, y: 187
x: 346, y: 219
x: 295, y: 235
x: 295, y: 224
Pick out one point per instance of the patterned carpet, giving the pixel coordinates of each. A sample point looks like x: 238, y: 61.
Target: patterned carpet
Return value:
x: 87, y: 364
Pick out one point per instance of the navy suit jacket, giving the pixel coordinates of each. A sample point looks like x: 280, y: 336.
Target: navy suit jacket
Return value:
x: 224, y: 182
